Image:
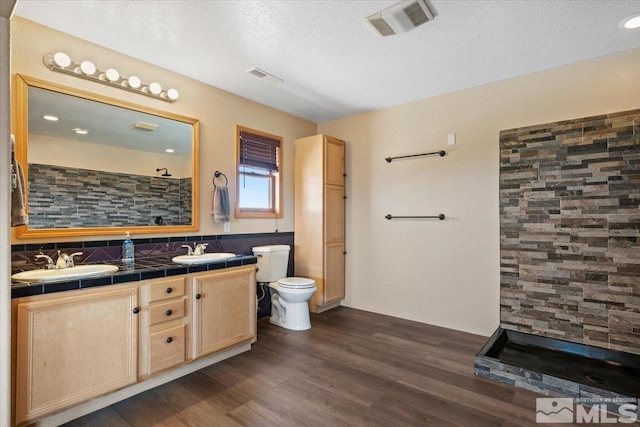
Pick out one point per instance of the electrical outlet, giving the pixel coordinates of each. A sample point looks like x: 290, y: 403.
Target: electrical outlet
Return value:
x: 227, y: 227
x: 451, y: 139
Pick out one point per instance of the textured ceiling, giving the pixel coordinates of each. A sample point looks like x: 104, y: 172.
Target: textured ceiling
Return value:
x: 332, y: 63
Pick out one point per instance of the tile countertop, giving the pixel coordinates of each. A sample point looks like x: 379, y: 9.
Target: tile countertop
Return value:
x: 143, y: 269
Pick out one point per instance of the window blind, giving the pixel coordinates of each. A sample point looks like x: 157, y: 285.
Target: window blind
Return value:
x: 259, y: 151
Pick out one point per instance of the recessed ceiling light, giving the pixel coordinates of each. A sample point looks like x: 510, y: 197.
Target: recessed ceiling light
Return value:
x: 169, y: 150
x: 630, y: 22
x: 81, y: 131
x: 50, y: 118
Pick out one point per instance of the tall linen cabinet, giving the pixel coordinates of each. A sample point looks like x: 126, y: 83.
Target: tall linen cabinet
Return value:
x: 319, y: 251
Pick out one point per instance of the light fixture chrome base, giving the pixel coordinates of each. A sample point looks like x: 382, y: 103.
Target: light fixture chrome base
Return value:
x: 62, y: 63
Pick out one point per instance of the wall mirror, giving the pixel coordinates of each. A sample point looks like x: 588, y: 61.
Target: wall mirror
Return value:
x: 94, y: 165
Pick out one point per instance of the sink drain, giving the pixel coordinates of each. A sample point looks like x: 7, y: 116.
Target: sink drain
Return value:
x: 596, y: 379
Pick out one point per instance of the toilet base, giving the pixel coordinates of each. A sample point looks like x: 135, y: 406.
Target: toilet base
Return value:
x: 295, y: 319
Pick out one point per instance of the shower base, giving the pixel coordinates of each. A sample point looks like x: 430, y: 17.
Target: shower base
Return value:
x: 559, y: 368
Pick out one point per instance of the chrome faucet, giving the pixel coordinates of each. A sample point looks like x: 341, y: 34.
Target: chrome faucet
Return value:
x: 64, y: 260
x: 199, y: 249
x: 50, y: 264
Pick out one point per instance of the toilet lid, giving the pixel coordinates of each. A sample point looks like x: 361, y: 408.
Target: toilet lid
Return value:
x: 296, y: 283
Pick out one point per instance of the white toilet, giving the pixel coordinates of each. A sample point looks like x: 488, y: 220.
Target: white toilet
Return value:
x: 289, y: 295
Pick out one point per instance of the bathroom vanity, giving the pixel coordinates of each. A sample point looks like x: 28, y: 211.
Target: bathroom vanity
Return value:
x: 81, y: 350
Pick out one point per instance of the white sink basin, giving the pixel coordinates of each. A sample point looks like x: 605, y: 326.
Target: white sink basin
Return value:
x: 202, y: 259
x: 77, y: 272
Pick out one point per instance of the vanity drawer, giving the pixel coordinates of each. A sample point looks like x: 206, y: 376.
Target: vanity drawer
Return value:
x: 166, y: 289
x: 164, y: 311
x: 166, y: 349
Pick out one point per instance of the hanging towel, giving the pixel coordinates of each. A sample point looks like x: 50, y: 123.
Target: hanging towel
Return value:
x: 220, y: 204
x: 18, y: 207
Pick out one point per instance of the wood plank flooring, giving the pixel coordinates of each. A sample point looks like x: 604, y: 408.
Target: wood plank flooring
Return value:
x: 352, y: 368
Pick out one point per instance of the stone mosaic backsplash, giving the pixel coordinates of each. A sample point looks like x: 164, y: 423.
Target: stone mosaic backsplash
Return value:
x: 62, y: 197
x: 570, y: 230
x: 23, y: 256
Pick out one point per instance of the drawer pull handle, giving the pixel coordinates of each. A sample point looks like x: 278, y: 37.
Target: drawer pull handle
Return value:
x: 169, y: 340
x: 136, y: 310
x: 198, y: 296
x: 169, y: 312
x: 169, y: 290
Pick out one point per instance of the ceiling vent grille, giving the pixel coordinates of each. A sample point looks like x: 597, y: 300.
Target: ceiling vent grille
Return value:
x: 149, y: 127
x: 265, y: 76
x: 401, y: 17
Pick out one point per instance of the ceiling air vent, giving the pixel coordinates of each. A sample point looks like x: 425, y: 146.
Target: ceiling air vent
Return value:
x: 265, y: 76
x: 401, y: 17
x: 149, y: 127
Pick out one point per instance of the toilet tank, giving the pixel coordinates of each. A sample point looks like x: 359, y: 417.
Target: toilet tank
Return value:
x: 273, y: 261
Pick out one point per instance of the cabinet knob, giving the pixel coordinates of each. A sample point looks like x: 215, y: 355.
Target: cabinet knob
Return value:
x: 169, y: 290
x: 344, y: 253
x: 136, y: 310
x: 198, y: 296
x: 344, y: 197
x: 169, y: 312
x: 169, y: 340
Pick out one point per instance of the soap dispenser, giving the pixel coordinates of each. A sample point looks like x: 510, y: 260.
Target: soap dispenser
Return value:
x: 128, y: 251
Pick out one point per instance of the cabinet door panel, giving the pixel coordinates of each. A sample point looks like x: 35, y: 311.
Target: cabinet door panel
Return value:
x: 333, y: 272
x: 334, y: 161
x: 333, y: 214
x: 70, y: 349
x: 225, y: 312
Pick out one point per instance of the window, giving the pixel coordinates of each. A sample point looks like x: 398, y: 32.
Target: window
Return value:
x: 259, y: 159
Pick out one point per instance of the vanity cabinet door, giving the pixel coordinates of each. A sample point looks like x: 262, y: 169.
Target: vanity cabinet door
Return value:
x: 224, y: 309
x: 75, y: 347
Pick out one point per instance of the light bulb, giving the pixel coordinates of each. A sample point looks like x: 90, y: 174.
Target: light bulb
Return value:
x: 88, y: 68
x: 155, y: 88
x: 61, y: 59
x: 172, y: 94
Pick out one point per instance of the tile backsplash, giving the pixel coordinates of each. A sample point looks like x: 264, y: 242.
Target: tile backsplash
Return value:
x: 22, y: 256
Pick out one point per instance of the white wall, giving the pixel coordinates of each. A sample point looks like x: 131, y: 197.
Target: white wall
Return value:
x: 48, y: 150
x: 447, y: 272
x: 218, y: 111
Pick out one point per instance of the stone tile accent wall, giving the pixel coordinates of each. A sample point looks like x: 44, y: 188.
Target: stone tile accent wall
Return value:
x: 570, y: 230
x: 61, y: 197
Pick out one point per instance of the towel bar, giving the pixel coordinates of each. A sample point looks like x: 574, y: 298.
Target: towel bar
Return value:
x: 440, y: 217
x: 218, y: 174
x: 440, y: 153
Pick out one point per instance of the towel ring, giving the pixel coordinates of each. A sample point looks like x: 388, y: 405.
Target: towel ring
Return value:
x: 218, y: 174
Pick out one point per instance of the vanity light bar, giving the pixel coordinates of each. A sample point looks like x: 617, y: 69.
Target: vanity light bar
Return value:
x: 61, y: 62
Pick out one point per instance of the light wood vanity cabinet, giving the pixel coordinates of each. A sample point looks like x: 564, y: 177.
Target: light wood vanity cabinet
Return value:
x: 74, y: 346
x: 320, y: 218
x: 224, y: 309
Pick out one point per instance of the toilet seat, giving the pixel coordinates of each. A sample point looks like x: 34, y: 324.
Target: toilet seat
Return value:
x: 296, y: 283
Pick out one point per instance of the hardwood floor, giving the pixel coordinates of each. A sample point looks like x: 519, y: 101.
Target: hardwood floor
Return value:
x: 351, y: 368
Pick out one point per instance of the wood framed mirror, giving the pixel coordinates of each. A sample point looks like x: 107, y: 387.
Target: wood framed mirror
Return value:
x: 105, y: 166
